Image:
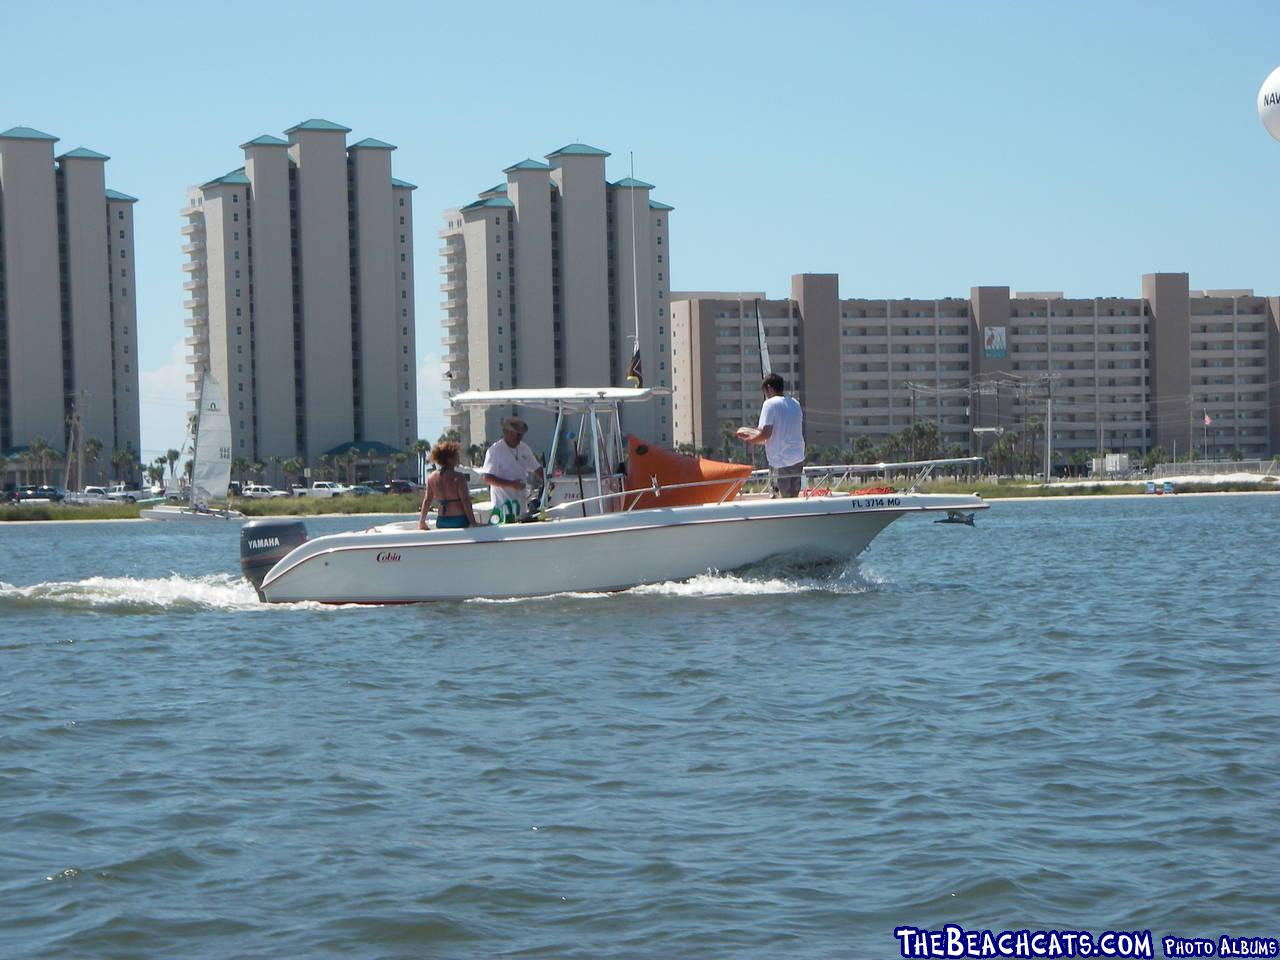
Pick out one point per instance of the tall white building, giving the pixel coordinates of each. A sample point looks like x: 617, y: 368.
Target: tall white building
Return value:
x: 300, y: 288
x: 68, y: 332
x: 542, y: 288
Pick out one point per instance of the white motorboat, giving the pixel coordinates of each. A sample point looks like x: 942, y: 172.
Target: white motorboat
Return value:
x: 211, y: 462
x: 594, y: 532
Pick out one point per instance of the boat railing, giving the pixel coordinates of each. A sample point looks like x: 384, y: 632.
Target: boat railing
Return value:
x: 731, y: 484
x: 828, y: 475
x: 841, y: 474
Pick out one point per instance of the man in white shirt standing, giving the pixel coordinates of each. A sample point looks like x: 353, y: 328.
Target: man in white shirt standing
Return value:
x: 781, y: 432
x: 507, y: 463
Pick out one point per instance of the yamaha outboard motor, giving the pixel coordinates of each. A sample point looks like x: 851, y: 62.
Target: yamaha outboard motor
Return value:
x: 264, y: 543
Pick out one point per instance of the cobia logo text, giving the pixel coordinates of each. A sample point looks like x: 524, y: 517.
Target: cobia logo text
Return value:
x: 388, y: 556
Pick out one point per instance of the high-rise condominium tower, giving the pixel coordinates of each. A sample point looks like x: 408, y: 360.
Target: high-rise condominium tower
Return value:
x: 543, y: 287
x: 300, y: 280
x: 68, y: 337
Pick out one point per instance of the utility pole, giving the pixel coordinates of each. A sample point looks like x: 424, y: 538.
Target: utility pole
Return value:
x: 1048, y: 437
x: 912, y: 387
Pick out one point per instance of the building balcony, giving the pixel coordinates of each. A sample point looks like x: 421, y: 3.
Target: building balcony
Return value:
x: 196, y: 322
x: 191, y: 285
x: 193, y: 266
x: 193, y: 341
x: 450, y: 285
x: 195, y: 303
x: 455, y: 321
x: 195, y: 246
x: 453, y: 339
x: 191, y: 229
x: 454, y: 356
x: 453, y: 303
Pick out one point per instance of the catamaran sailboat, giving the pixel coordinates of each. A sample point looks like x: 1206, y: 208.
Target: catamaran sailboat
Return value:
x: 602, y: 524
x: 211, y: 462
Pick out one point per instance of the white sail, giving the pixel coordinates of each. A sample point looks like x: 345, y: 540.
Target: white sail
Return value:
x: 211, y: 471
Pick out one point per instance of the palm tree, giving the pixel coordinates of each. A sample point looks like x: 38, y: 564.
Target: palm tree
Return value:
x: 275, y: 462
x: 171, y: 457
x: 118, y: 461
x: 90, y: 450
x: 350, y: 458
x: 322, y: 467
x: 239, y: 465
x: 28, y: 464
x: 394, y: 463
x: 475, y: 453
x: 449, y: 436
x: 293, y: 468
x: 420, y: 450
x: 257, y: 469
x: 155, y: 473
x: 39, y: 450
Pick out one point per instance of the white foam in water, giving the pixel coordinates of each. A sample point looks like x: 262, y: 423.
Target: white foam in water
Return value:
x: 766, y: 579
x: 173, y: 593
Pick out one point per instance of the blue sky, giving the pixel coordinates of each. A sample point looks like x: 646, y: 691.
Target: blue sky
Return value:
x: 915, y: 148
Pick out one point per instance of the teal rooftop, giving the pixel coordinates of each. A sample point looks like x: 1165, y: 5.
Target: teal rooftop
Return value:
x: 528, y: 165
x: 121, y: 197
x: 500, y: 188
x: 633, y: 184
x: 26, y: 133
x: 369, y: 143
x: 83, y: 153
x: 656, y: 205
x: 266, y: 140
x: 489, y: 202
x: 578, y: 150
x: 317, y: 124
x: 403, y: 184
x: 235, y: 178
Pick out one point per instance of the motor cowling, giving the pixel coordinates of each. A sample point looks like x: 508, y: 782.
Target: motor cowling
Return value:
x: 264, y: 543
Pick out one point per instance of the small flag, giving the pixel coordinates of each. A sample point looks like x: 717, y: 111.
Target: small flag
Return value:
x: 633, y: 370
x: 1208, y: 420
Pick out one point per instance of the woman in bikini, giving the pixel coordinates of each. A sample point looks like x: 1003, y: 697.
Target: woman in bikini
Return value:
x: 448, y: 488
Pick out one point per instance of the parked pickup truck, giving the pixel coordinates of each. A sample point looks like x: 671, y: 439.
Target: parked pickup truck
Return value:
x: 321, y: 488
x: 261, y: 491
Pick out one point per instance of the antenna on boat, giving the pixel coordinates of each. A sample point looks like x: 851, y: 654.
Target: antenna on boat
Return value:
x: 634, y: 373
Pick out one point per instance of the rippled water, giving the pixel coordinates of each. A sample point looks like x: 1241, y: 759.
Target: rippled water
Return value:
x: 1066, y: 717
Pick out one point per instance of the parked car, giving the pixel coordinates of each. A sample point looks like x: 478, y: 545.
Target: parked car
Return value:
x: 321, y: 488
x: 261, y: 491
x: 43, y: 492
x: 401, y: 486
x: 121, y: 494
x: 361, y: 490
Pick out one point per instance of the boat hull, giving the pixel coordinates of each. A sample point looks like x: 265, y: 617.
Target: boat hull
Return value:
x: 397, y: 564
x: 186, y: 514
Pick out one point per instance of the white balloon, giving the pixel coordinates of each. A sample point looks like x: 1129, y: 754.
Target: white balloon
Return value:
x: 1269, y: 103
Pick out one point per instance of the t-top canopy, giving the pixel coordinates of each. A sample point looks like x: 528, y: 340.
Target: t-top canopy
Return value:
x: 553, y: 397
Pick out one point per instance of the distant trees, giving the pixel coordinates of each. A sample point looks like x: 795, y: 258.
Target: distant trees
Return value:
x: 293, y: 468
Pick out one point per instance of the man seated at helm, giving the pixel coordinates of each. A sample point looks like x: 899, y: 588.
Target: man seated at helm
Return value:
x: 508, y: 463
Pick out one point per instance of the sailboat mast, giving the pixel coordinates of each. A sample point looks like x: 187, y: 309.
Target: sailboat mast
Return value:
x: 195, y: 441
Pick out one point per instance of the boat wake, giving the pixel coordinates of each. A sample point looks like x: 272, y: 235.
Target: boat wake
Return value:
x: 223, y: 592
x: 775, y: 577
x: 772, y: 578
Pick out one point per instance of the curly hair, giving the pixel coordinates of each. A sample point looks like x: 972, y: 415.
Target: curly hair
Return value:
x: 446, y: 454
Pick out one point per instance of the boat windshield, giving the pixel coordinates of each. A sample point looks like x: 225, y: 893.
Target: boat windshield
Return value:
x: 582, y: 438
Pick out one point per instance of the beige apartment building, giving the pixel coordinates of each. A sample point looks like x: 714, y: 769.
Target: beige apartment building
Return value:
x: 68, y: 330
x: 1121, y: 374
x: 543, y: 286
x: 300, y: 291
